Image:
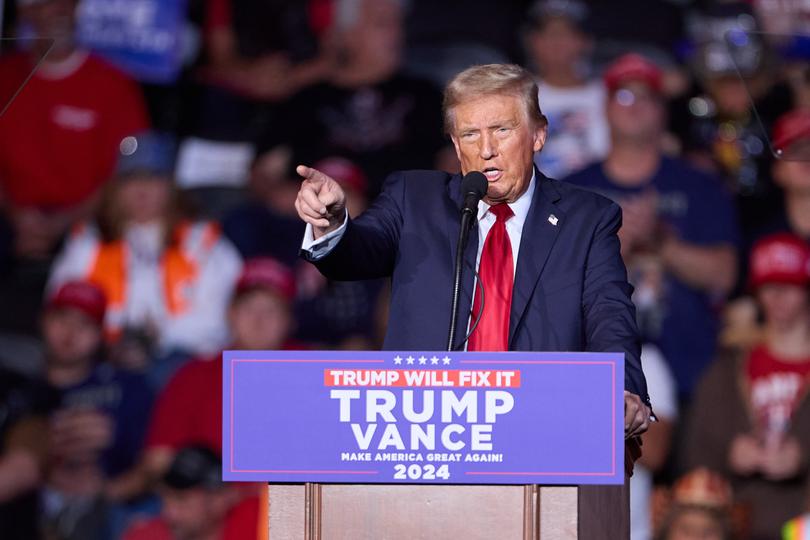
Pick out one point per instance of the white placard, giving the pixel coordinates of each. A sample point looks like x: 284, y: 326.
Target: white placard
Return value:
x: 204, y: 163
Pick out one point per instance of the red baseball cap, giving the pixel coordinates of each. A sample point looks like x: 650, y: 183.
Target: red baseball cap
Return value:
x: 791, y: 127
x: 702, y: 487
x: 633, y: 67
x: 346, y: 172
x: 779, y: 258
x: 82, y: 295
x: 267, y: 273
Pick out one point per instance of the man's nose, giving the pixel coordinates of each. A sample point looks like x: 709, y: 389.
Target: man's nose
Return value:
x: 488, y: 148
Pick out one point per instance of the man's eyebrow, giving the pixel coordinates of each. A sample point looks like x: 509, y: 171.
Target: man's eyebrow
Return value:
x: 507, y: 123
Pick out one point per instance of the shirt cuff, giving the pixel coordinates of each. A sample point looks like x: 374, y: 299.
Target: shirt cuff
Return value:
x: 323, y: 246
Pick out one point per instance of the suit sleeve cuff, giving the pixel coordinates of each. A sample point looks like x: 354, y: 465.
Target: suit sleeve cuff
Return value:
x: 323, y: 246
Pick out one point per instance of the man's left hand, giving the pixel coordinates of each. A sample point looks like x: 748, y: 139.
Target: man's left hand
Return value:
x: 636, y: 415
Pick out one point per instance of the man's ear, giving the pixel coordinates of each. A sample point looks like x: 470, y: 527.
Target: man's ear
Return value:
x: 540, y: 137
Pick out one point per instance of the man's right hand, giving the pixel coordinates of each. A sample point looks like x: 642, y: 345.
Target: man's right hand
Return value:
x: 321, y: 201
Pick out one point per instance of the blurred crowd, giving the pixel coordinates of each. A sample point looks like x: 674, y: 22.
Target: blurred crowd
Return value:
x: 147, y: 226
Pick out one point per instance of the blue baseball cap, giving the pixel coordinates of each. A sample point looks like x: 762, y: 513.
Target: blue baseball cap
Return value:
x: 148, y: 152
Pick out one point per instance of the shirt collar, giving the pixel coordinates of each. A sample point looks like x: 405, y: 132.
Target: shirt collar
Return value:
x: 520, y: 207
x: 63, y: 68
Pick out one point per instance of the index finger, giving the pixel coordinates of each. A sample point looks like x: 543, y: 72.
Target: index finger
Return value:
x: 313, y: 175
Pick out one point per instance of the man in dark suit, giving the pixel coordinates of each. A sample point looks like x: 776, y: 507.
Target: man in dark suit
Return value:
x: 547, y: 253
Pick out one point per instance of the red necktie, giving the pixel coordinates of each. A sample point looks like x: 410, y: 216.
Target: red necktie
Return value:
x: 496, y: 274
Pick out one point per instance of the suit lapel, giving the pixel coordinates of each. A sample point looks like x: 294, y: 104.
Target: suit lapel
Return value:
x: 540, y: 231
x: 453, y: 226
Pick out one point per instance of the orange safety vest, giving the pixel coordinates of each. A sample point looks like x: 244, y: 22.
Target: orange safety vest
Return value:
x: 180, y: 266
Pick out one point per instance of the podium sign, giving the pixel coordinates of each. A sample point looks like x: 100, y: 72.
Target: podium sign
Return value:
x: 423, y: 417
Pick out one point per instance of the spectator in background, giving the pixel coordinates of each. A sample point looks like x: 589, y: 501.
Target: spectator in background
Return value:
x: 368, y: 111
x: 679, y: 231
x: 59, y: 137
x: 558, y: 47
x: 23, y: 445
x: 98, y: 418
x: 167, y: 279
x: 58, y: 142
x: 189, y: 409
x: 750, y: 419
x: 198, y: 505
x: 699, y: 509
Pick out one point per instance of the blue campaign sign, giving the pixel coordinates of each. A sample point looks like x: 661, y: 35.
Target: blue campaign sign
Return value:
x: 431, y: 417
x: 142, y: 37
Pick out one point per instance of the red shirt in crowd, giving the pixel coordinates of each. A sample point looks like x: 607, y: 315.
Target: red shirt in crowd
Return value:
x: 59, y: 138
x: 240, y: 524
x: 189, y: 409
x: 776, y: 387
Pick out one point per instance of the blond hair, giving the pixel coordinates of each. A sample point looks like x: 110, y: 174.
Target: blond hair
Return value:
x: 493, y: 79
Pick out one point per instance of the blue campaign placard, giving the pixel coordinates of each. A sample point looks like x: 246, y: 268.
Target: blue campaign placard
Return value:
x: 142, y: 37
x: 430, y: 417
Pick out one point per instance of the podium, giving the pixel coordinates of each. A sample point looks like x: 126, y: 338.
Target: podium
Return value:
x: 387, y: 445
x: 397, y: 512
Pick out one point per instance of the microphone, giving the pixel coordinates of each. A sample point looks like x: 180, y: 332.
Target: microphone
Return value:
x: 474, y: 187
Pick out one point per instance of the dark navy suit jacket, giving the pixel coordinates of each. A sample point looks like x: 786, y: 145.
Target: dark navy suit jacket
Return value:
x: 570, y: 293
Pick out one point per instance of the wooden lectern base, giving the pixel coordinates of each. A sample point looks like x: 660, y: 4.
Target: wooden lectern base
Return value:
x: 394, y: 512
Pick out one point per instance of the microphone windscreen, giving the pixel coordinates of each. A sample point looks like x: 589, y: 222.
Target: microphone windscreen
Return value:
x: 474, y: 182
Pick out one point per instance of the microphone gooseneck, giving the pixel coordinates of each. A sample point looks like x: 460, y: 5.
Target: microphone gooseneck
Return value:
x: 473, y: 189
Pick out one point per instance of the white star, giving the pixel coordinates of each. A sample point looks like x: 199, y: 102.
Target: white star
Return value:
x: 434, y: 360
x: 446, y: 360
x: 422, y: 360
x: 409, y: 359
x: 398, y: 360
